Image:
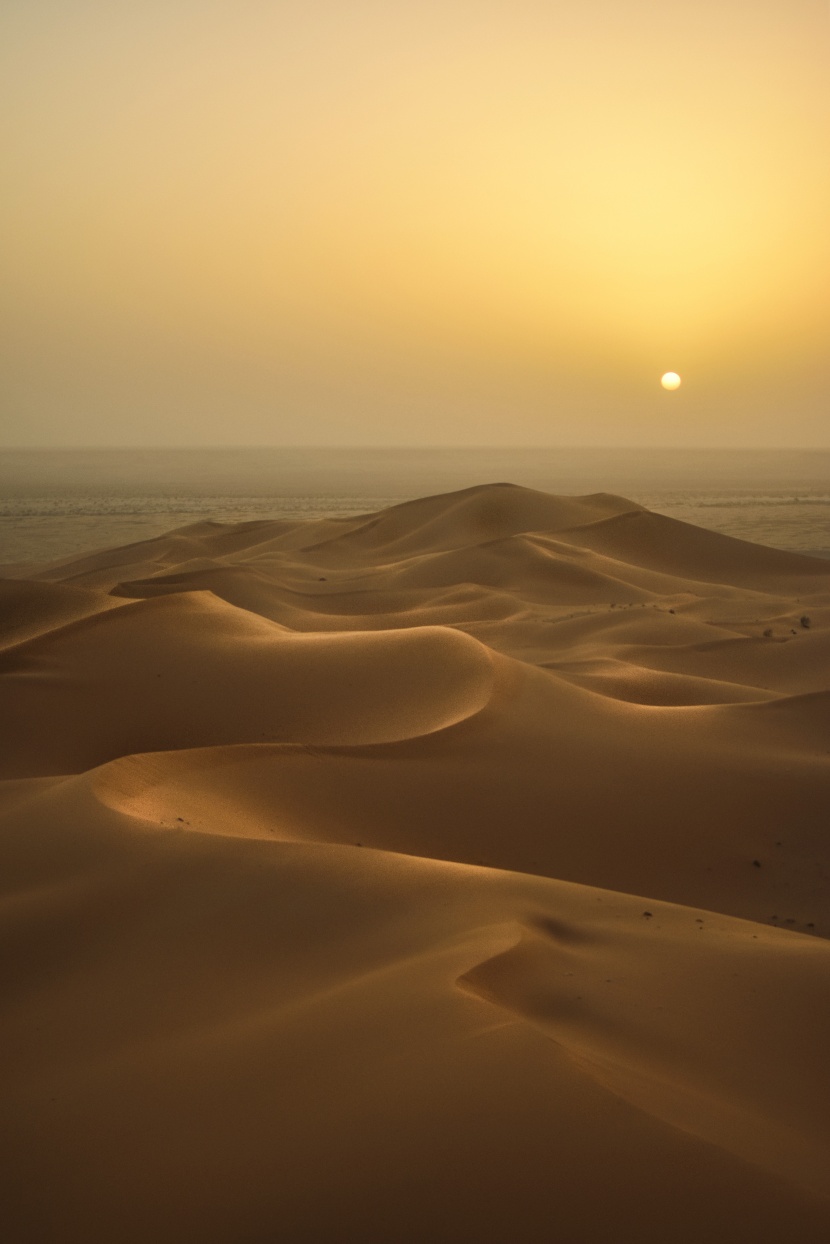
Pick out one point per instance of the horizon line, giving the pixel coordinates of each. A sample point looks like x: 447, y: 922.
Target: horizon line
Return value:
x: 225, y: 446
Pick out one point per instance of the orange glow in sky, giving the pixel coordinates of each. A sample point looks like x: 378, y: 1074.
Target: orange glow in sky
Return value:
x: 415, y: 222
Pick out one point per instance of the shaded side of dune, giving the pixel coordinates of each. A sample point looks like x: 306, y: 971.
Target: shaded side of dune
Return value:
x: 459, y: 871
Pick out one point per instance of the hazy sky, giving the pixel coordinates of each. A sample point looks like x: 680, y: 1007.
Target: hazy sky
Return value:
x: 415, y: 221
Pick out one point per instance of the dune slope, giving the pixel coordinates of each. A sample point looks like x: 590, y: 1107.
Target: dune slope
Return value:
x: 457, y: 872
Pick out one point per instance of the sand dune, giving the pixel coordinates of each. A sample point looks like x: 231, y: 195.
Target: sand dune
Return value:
x: 28, y: 609
x: 189, y: 671
x: 456, y: 872
x: 673, y: 547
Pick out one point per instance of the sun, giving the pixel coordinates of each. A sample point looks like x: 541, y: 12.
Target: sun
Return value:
x: 671, y: 380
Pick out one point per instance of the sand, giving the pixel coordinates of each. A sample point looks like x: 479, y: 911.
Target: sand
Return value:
x: 456, y: 872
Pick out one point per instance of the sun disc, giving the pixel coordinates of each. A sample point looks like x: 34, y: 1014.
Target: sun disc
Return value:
x: 670, y: 380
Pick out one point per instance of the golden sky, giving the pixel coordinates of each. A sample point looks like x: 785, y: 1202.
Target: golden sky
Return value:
x: 416, y: 221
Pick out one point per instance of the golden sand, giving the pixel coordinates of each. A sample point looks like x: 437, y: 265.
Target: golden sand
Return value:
x: 454, y: 873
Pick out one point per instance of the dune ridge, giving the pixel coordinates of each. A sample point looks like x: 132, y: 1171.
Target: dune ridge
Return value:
x: 459, y: 871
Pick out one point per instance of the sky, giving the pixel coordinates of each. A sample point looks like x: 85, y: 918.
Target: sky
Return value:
x: 415, y: 222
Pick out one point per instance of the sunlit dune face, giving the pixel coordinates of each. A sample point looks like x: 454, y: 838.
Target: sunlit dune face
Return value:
x: 670, y: 380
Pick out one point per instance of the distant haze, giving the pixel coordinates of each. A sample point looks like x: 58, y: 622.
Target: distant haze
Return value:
x: 415, y: 222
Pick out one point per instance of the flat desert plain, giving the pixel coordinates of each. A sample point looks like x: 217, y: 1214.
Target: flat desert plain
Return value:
x: 458, y: 872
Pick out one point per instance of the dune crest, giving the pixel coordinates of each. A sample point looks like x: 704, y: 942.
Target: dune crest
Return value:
x: 462, y: 867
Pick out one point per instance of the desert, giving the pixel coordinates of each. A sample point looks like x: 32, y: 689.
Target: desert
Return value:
x: 457, y: 871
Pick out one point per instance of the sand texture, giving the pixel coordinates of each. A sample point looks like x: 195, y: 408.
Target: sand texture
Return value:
x: 459, y: 872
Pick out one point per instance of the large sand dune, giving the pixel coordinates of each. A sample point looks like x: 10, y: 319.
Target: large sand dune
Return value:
x: 459, y: 872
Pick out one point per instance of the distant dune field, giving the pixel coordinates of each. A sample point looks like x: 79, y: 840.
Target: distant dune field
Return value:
x: 457, y: 872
